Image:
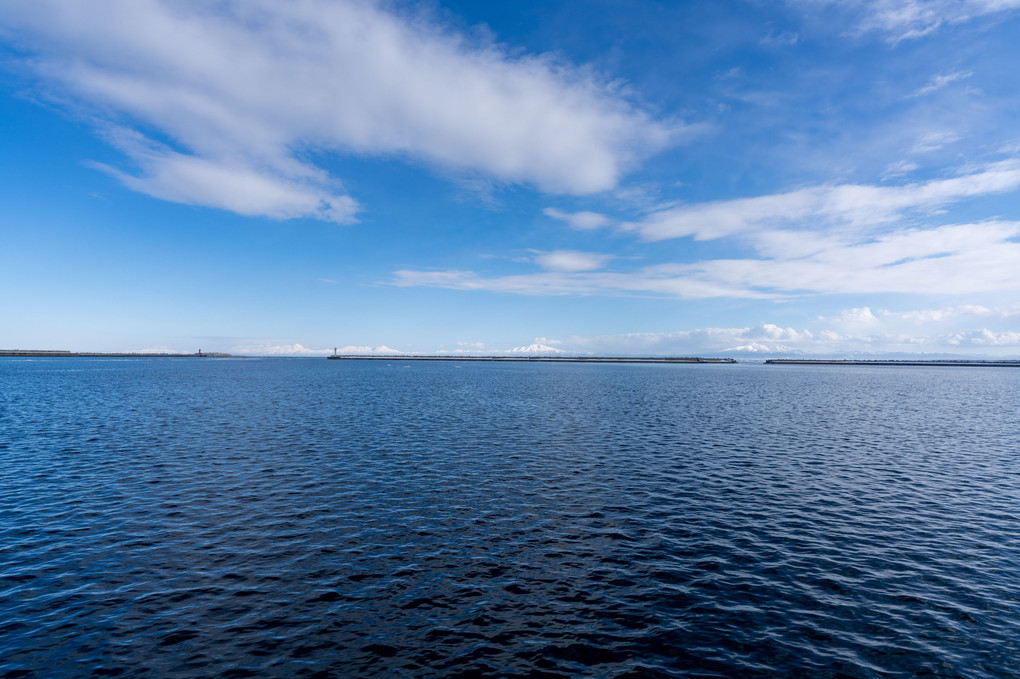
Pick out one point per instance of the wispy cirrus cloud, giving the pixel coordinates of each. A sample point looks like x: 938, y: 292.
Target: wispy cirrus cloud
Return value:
x: 953, y: 260
x: 649, y: 281
x: 902, y: 20
x: 940, y: 81
x: 858, y: 205
x: 582, y: 221
x: 933, y: 141
x: 779, y: 39
x: 964, y: 311
x: 245, y: 187
x: 571, y: 260
x: 831, y: 239
x: 899, y: 168
x: 235, y: 97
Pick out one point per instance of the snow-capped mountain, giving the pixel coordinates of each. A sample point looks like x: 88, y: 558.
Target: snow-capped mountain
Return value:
x: 536, y: 349
x: 756, y: 348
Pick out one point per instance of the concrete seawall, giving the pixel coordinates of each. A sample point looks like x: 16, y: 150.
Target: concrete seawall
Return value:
x: 540, y: 359
x: 104, y: 354
x: 907, y: 362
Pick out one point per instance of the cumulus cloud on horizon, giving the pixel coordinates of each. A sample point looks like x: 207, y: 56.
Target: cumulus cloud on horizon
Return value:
x: 964, y: 329
x: 223, y: 104
x: 297, y: 349
x: 961, y: 330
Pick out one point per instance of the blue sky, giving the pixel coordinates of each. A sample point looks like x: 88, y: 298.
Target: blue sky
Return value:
x: 607, y: 177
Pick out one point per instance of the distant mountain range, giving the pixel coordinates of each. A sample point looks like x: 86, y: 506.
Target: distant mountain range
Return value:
x: 533, y: 349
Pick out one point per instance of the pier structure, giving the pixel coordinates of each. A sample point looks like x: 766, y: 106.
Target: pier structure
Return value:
x: 895, y: 362
x: 52, y: 353
x: 537, y: 359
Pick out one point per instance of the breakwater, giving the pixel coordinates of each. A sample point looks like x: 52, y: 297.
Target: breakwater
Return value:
x: 46, y: 353
x: 907, y: 362
x: 540, y: 359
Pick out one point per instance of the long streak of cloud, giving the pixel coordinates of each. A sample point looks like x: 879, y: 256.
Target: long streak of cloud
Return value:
x: 950, y: 260
x: 851, y: 205
x: 912, y: 19
x: 241, y: 94
x: 840, y: 239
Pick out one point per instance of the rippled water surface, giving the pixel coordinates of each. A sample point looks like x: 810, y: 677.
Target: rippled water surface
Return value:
x: 312, y: 518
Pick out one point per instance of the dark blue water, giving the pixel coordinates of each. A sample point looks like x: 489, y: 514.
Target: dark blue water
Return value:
x: 312, y: 518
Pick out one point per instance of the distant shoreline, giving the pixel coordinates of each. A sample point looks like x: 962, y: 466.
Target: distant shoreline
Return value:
x: 539, y: 359
x: 107, y: 354
x: 990, y: 363
x: 894, y: 362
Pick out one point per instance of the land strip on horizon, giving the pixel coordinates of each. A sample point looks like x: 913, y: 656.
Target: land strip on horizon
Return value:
x: 46, y: 353
x: 894, y: 362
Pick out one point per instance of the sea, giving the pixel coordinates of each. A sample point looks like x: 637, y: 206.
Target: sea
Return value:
x: 286, y: 517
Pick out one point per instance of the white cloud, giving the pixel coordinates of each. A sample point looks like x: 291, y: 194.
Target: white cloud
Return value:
x: 295, y: 349
x: 946, y: 329
x: 265, y: 349
x: 911, y: 19
x: 924, y: 316
x: 985, y: 338
x: 381, y: 350
x: 535, y: 349
x: 879, y: 337
x: 759, y: 348
x: 941, y: 80
x: 655, y: 281
x: 830, y: 239
x: 781, y: 39
x: 767, y: 338
x: 899, y: 168
x: 836, y: 205
x: 229, y: 185
x: 953, y: 260
x: 933, y: 141
x: 853, y: 317
x: 771, y: 331
x: 679, y: 342
x: 843, y: 333
x: 241, y: 93
x: 539, y: 346
x: 582, y: 221
x: 967, y: 313
x: 571, y: 260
